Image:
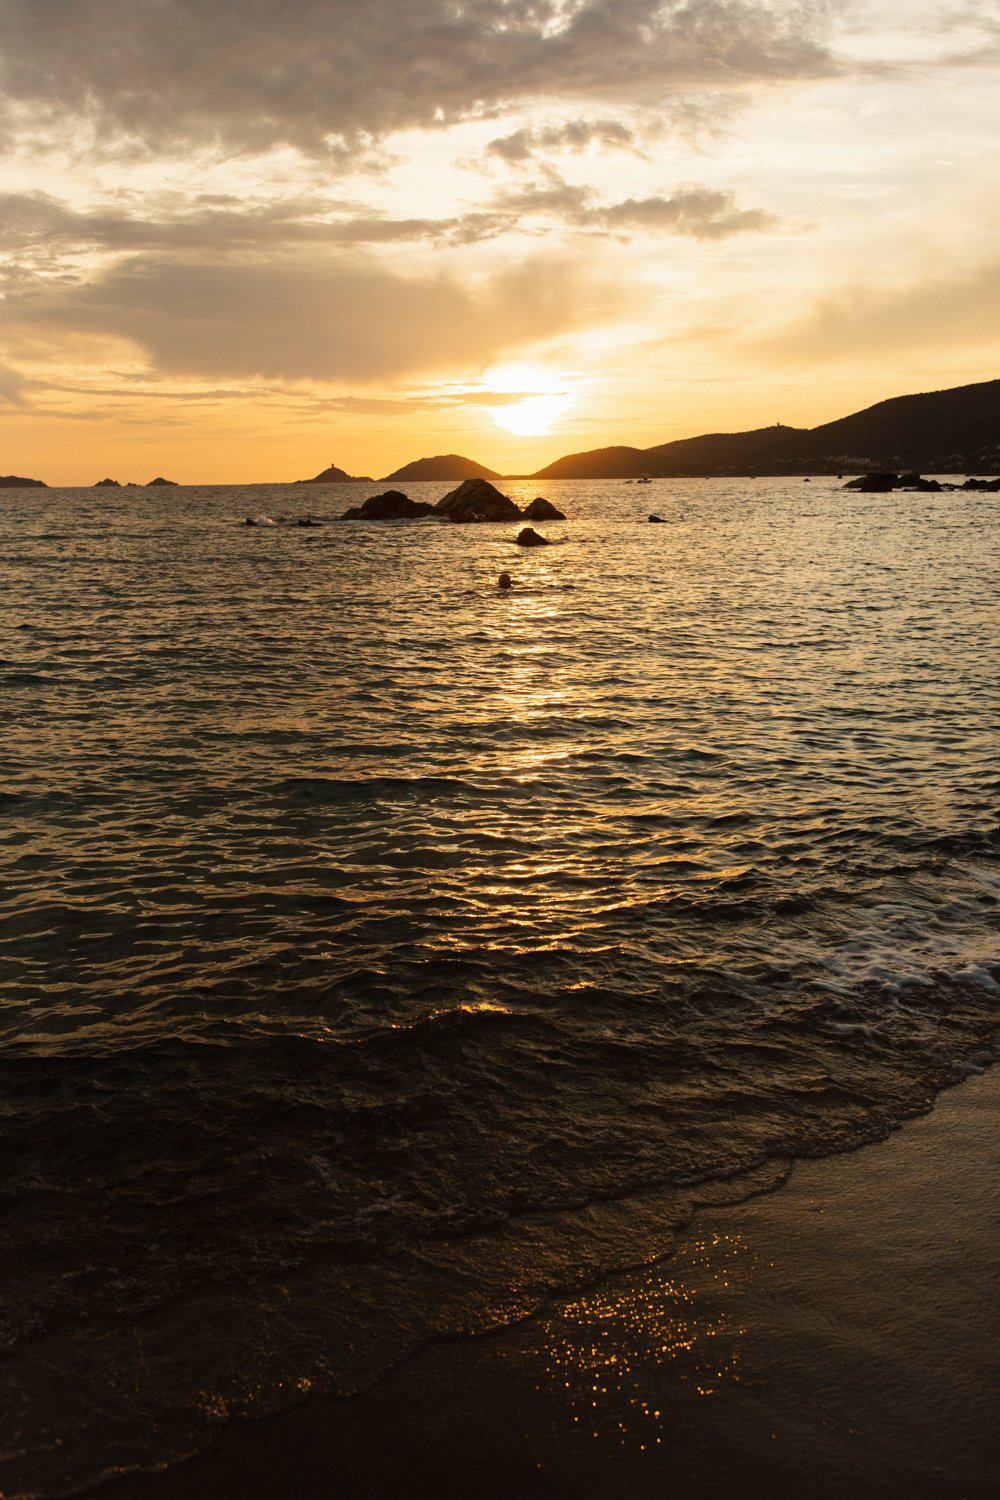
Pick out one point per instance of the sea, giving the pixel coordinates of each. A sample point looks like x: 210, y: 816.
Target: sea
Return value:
x: 384, y: 953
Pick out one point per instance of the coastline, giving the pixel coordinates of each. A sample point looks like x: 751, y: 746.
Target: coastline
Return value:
x: 836, y: 1338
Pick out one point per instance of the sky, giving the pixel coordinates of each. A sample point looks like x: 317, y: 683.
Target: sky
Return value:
x: 244, y: 239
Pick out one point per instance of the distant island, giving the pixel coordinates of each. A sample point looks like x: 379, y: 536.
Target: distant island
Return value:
x: 446, y: 466
x: 15, y: 482
x: 944, y: 432
x: 333, y: 475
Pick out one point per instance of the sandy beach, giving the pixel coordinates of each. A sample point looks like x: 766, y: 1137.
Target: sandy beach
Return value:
x: 838, y: 1337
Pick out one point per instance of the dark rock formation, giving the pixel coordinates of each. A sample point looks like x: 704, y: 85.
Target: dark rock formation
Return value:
x: 171, y: 482
x: 504, y: 581
x: 918, y: 482
x: 873, y: 484
x: 393, y: 505
x: 655, y: 518
x: 530, y: 538
x: 446, y: 466
x: 476, y: 500
x: 15, y: 482
x: 982, y: 484
x: 107, y: 484
x: 333, y: 475
x: 880, y: 483
x: 542, y: 510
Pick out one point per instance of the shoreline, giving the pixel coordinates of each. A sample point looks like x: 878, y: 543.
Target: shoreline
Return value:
x: 835, y: 1338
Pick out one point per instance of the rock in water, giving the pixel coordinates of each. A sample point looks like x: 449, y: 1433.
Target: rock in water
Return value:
x: 542, y: 510
x: 874, y: 484
x: 476, y: 500
x: 392, y: 505
x: 530, y: 538
x: 655, y: 518
x: 505, y: 581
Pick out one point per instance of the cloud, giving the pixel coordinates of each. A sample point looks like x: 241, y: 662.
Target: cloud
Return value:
x: 40, y: 232
x: 552, y: 197
x: 12, y: 386
x: 697, y: 212
x: 250, y: 74
x: 573, y: 135
x: 342, y: 319
x: 701, y: 213
x: 30, y: 221
x: 975, y: 32
x: 940, y: 312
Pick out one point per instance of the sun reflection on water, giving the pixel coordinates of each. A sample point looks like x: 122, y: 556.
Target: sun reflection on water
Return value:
x: 619, y: 1356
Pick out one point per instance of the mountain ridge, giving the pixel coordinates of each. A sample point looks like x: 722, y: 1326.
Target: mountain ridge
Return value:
x: 946, y: 431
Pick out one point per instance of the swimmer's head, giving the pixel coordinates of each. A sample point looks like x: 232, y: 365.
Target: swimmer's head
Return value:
x: 504, y: 581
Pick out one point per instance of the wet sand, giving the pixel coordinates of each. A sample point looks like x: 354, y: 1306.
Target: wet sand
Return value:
x: 838, y: 1339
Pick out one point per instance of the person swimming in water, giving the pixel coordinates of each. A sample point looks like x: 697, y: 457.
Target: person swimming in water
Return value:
x: 505, y: 581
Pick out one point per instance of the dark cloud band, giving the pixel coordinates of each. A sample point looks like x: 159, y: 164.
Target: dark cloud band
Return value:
x: 250, y: 74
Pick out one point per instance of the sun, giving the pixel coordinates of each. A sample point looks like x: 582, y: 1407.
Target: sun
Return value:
x: 544, y: 401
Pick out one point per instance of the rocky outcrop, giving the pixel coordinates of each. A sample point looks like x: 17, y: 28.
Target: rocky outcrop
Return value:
x: 393, y: 505
x: 873, y: 484
x: 530, y: 538
x: 655, y: 518
x: 477, y: 500
x: 918, y: 482
x: 473, y: 500
x: 15, y: 482
x: 171, y: 482
x: 107, y: 484
x: 882, y: 483
x: 542, y: 510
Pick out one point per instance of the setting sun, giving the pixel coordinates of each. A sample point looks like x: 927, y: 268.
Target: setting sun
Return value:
x: 545, y: 399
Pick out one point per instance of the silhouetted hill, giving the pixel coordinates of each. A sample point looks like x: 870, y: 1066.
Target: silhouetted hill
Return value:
x: 447, y: 466
x: 15, y: 482
x: 598, y: 463
x: 953, y: 431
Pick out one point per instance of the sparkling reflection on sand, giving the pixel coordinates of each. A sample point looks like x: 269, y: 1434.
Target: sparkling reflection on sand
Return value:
x: 604, y: 1352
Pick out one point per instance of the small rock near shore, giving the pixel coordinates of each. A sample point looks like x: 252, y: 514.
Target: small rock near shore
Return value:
x: 542, y: 510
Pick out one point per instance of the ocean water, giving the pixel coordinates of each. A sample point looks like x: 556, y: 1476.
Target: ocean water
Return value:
x: 382, y: 953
